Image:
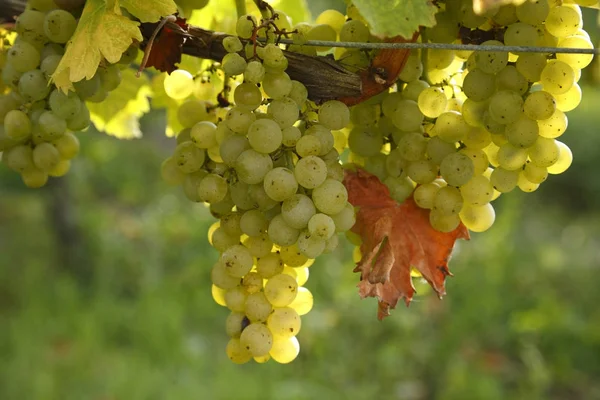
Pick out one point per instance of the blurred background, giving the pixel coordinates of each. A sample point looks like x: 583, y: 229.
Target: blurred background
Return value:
x: 105, y: 293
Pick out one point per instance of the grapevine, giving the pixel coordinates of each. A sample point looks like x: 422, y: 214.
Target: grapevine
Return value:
x: 263, y: 128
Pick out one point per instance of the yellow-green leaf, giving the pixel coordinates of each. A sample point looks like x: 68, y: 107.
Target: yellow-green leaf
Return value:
x: 397, y: 17
x: 119, y: 113
x: 149, y: 10
x: 101, y: 32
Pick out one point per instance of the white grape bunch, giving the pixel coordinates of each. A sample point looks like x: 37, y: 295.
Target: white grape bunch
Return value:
x: 268, y: 168
x: 39, y: 121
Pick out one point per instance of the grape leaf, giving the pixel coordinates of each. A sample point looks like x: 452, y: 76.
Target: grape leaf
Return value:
x: 396, y: 237
x: 118, y: 115
x: 166, y: 49
x: 397, y: 17
x: 149, y: 11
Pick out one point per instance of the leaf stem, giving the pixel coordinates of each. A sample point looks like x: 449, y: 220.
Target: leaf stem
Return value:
x: 240, y: 7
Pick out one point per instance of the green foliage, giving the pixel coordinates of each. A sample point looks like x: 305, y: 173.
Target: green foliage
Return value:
x: 397, y: 17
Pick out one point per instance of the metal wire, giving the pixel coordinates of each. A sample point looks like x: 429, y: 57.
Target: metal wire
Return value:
x: 445, y: 46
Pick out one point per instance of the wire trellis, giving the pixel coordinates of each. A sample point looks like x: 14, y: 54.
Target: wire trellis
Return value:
x: 445, y: 46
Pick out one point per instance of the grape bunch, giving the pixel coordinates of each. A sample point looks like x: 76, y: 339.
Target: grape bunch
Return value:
x: 38, y: 120
x: 268, y: 168
x: 461, y: 128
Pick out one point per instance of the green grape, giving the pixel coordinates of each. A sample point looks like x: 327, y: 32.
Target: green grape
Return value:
x: 298, y: 93
x: 413, y: 90
x: 477, y: 138
x: 451, y: 127
x: 232, y: 44
x: 439, y: 58
x: 424, y: 194
x: 535, y: 174
x: 310, y: 246
x: 285, y: 350
x: 277, y: 85
x: 259, y: 246
x: 253, y: 283
x: 98, y: 97
x: 284, y: 322
x: 334, y: 115
x: 81, y: 120
x: 30, y: 27
x: 280, y: 184
x: 245, y: 26
x: 354, y: 31
x: 239, y: 120
x: 506, y: 15
x: 212, y: 188
x: 533, y: 12
x: 258, y: 307
x: 59, y: 26
x: 60, y: 169
x: 308, y: 146
x: 531, y: 65
x: 345, y: 219
x: 269, y: 265
x: 190, y: 186
x: 254, y: 72
x: 432, y: 102
x: 479, y: 86
x: 407, y: 117
x: 247, y: 96
x: 504, y: 180
x: 7, y: 103
x: 505, y: 107
x: 23, y: 57
x: 557, y: 77
x: 412, y: 146
x: 569, y: 100
x: 400, y: 187
x: 302, y: 274
x: 236, y: 352
x: 234, y: 323
x: 19, y: 158
x: 422, y: 171
x: 17, y: 125
x: 491, y: 62
x: 554, y: 126
x: 545, y: 152
x: 49, y: 64
x: 281, y: 233
x: 235, y: 299
x: 565, y: 158
x: 253, y: 223
x: 230, y: 223
x: 34, y: 178
x: 365, y: 142
x: 473, y: 111
x: 110, y: 77
x: 273, y: 58
x: 233, y: 64
x: 520, y: 34
x: 333, y: 18
x: 261, y: 198
x: 330, y: 197
x: 467, y: 16
x: 448, y: 200
x: 310, y: 172
x: 203, y: 134
x: 130, y: 55
x: 45, y: 156
x: 443, y: 222
x: 563, y: 21
x: 478, y: 218
x: 189, y: 158
x: 477, y: 191
x: 413, y: 69
x: 446, y: 27
x: 223, y: 132
x: 577, y: 61
x: 179, y: 84
x: 290, y: 136
x: 511, y: 157
x: 65, y: 106
x: 321, y: 226
x: 525, y: 185
x: 326, y: 139
x: 523, y: 132
x: 283, y: 111
x: 265, y: 136
x: 539, y: 105
x: 297, y: 211
x: 457, y: 169
x: 509, y: 78
x: 67, y: 146
x: 252, y: 166
x: 170, y: 173
x: 281, y: 290
x: 479, y: 158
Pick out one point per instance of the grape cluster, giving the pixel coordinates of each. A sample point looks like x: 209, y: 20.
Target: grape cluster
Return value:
x: 37, y: 119
x: 463, y: 127
x: 270, y: 172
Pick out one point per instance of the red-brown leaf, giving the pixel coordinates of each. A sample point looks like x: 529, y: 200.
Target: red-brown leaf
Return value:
x: 395, y: 238
x: 166, y: 49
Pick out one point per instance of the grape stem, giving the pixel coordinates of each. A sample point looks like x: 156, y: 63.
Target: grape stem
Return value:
x: 425, y: 57
x: 265, y: 9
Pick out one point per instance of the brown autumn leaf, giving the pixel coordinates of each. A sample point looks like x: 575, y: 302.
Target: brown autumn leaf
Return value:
x: 166, y: 49
x: 395, y: 238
